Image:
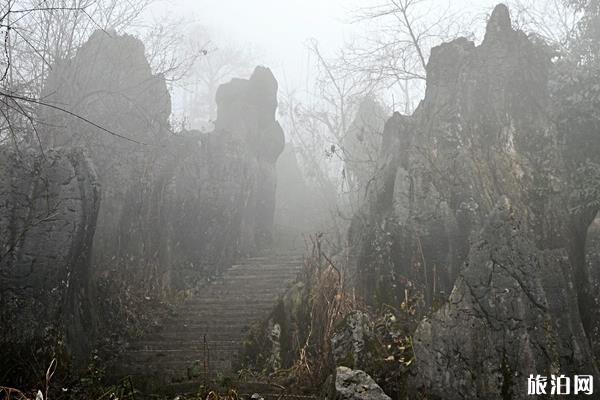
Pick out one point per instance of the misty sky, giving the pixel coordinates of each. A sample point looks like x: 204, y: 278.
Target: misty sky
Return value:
x: 276, y: 30
x: 279, y: 29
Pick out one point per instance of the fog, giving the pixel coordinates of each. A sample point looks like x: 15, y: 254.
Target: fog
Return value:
x: 342, y: 200
x: 278, y: 33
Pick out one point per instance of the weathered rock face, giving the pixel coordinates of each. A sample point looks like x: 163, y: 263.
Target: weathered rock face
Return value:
x: 211, y: 197
x: 49, y: 207
x: 175, y: 208
x: 109, y: 83
x: 481, y: 131
x: 387, y: 250
x: 356, y: 385
x: 510, y: 315
x: 354, y: 344
x: 593, y: 275
x: 246, y: 117
x: 273, y: 343
x: 222, y: 186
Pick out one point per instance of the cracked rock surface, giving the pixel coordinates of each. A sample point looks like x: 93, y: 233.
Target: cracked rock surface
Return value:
x: 354, y: 384
x: 509, y: 315
x: 47, y: 219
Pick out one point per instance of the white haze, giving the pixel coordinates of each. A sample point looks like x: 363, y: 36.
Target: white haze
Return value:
x: 278, y: 30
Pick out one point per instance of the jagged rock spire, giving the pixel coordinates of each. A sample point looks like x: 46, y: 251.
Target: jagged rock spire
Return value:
x: 499, y: 23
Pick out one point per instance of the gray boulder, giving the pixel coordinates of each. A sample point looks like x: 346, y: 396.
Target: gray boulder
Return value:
x: 356, y: 385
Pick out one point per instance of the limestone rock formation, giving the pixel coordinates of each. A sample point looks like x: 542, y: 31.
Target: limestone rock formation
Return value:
x: 175, y: 208
x: 509, y: 315
x: 49, y: 207
x: 272, y: 343
x: 246, y: 115
x: 223, y: 183
x: 482, y: 131
x: 111, y: 104
x: 110, y: 83
x: 593, y: 276
x: 356, y: 385
x: 354, y: 344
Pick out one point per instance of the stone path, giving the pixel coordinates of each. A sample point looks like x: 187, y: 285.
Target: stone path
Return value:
x: 202, y: 339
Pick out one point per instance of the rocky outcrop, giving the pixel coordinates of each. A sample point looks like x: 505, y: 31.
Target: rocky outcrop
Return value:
x: 222, y: 186
x: 110, y: 83
x: 244, y: 149
x: 354, y: 344
x: 509, y: 315
x: 593, y: 276
x: 356, y: 385
x: 272, y: 343
x: 107, y: 100
x: 482, y: 131
x: 176, y: 208
x: 49, y: 207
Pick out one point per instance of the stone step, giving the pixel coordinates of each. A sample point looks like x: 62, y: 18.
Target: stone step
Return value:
x: 257, y: 291
x: 214, y: 360
x: 271, y: 259
x: 207, y: 326
x: 166, y: 374
x: 203, y: 321
x: 231, y: 280
x: 187, y: 317
x: 168, y: 371
x: 222, y: 312
x: 240, y: 282
x: 179, y: 356
x: 247, y: 301
x: 188, y: 333
x: 182, y: 344
x: 215, y: 308
x: 243, y: 389
x: 268, y: 264
x: 284, y: 268
x: 257, y: 270
x: 214, y: 313
x: 244, y: 289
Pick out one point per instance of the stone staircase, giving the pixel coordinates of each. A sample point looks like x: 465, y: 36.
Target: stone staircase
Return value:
x: 201, y: 340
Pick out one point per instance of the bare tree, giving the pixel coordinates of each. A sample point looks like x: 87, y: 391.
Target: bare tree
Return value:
x: 38, y: 34
x: 395, y: 53
x: 555, y: 21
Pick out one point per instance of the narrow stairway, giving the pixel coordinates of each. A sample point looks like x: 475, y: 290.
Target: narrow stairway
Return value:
x: 204, y: 336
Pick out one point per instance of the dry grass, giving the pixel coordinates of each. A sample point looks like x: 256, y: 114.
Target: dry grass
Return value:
x: 328, y: 303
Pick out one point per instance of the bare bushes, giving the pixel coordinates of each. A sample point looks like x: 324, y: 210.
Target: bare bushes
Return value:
x: 292, y: 345
x: 320, y: 324
x: 327, y: 303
